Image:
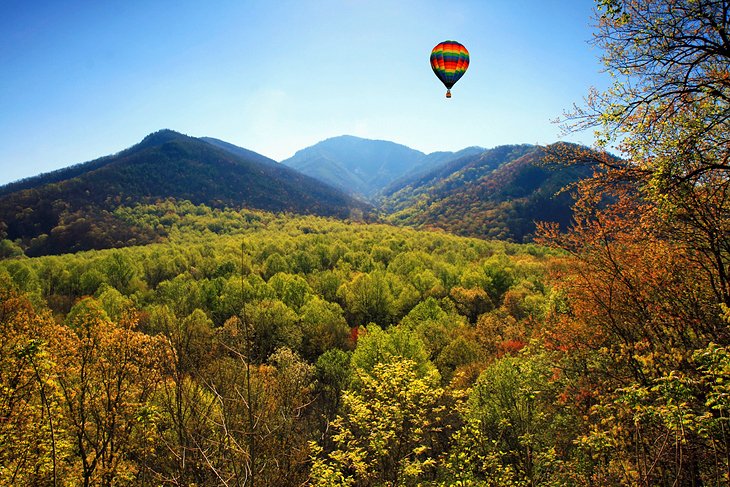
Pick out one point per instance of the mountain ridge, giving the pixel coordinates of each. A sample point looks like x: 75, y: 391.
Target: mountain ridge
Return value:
x: 487, y: 193
x: 359, y: 165
x: 75, y: 205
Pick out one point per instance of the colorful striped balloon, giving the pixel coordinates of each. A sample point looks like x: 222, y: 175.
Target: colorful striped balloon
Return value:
x: 449, y: 61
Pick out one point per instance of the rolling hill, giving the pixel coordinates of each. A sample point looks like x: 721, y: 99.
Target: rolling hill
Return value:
x: 72, y: 209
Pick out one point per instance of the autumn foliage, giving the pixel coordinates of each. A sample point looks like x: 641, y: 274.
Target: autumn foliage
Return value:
x: 254, y: 349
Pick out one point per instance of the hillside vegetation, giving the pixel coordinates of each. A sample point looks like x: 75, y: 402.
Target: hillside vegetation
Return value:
x: 500, y: 193
x: 73, y: 209
x: 245, y: 343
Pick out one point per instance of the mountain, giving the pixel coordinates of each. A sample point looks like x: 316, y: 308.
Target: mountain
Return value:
x: 240, y: 151
x: 499, y: 193
x: 363, y: 166
x: 72, y: 209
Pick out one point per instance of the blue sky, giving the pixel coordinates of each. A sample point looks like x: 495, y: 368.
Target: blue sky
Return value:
x: 83, y: 79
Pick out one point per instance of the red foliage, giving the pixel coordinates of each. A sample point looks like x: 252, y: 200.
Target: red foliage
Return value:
x: 511, y: 347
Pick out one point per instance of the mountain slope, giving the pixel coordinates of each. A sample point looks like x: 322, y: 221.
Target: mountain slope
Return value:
x: 357, y: 165
x: 240, y: 151
x: 43, y: 211
x: 447, y: 176
x: 500, y: 193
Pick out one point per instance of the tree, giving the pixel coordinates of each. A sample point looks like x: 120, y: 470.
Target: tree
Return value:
x: 293, y: 290
x: 323, y: 328
x: 259, y: 424
x: 471, y: 302
x: 181, y: 294
x: 120, y: 271
x: 182, y: 401
x: 107, y: 373
x: 510, y: 418
x: 9, y: 249
x: 32, y: 426
x: 292, y: 385
x: 447, y: 337
x: 369, y: 298
x: 378, y: 346
x: 667, y: 111
x: 274, y: 264
x: 388, y: 431
x: 275, y: 325
x: 333, y: 374
x: 649, y: 279
x: 671, y: 89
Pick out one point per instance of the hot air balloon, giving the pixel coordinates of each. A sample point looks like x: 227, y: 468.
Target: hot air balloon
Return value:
x: 449, y: 61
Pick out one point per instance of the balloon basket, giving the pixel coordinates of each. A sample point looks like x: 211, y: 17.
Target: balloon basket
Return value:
x: 448, y: 93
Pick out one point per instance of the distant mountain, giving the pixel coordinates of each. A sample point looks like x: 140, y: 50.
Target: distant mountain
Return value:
x: 363, y: 166
x: 499, y: 193
x: 471, y: 164
x: 72, y: 209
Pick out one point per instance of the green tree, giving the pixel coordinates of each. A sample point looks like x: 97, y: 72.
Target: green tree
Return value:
x: 181, y: 294
x: 378, y: 346
x: 9, y: 249
x: 120, y: 271
x: 447, y: 336
x: 275, y: 325
x: 274, y: 264
x: 114, y: 303
x: 333, y: 373
x: 323, y: 328
x: 369, y: 298
x: 293, y: 290
x: 510, y: 419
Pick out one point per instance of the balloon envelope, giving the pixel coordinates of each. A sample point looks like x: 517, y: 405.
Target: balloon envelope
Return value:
x: 449, y: 61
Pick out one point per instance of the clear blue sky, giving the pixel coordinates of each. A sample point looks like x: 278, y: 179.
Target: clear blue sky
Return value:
x: 83, y: 79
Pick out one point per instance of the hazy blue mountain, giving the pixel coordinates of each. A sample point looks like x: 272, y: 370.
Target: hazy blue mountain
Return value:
x: 362, y: 166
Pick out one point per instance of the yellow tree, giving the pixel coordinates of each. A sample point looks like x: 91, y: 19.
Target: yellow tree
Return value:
x: 107, y: 373
x: 387, y: 433
x: 32, y: 431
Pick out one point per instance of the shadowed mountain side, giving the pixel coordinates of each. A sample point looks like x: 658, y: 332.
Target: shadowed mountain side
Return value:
x: 500, y: 193
x: 467, y: 165
x: 240, y: 151
x: 164, y: 165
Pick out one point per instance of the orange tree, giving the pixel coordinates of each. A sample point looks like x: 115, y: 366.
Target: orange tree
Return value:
x: 649, y: 280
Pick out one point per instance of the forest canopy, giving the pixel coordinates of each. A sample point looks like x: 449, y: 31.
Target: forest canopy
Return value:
x: 257, y: 349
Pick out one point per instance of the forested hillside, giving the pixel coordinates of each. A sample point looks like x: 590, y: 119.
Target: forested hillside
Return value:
x: 73, y: 209
x: 499, y: 193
